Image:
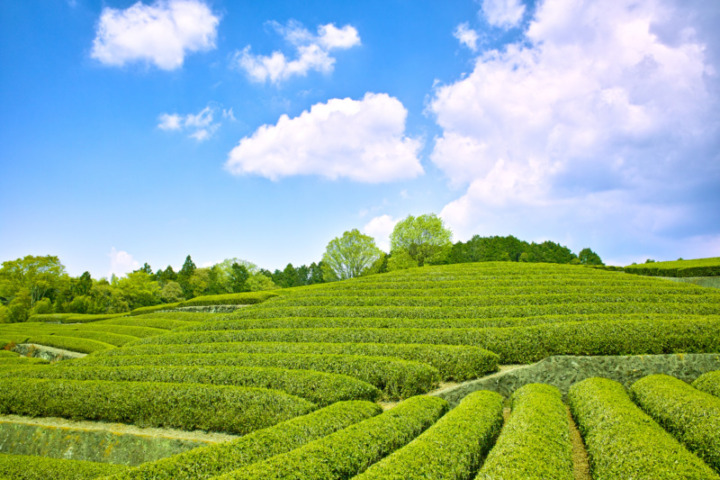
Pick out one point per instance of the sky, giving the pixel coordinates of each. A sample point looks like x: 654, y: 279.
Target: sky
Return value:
x: 146, y: 131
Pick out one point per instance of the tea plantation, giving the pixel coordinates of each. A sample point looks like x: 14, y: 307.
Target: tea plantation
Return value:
x: 299, y: 378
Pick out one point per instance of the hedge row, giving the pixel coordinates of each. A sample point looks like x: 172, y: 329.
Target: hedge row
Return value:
x: 615, y: 430
x: 703, y: 267
x: 349, y: 452
x: 86, y: 330
x: 154, y: 308
x: 317, y: 387
x: 182, y: 316
x: 708, y: 383
x: 692, y: 416
x: 454, y: 362
x: 514, y: 345
x: 114, y: 339
x: 245, y: 298
x: 19, y: 360
x: 453, y: 448
x: 146, y: 321
x: 31, y: 467
x: 535, y: 442
x: 395, y: 377
x: 176, y: 405
x: 81, y: 345
x: 72, y: 317
x: 213, y: 460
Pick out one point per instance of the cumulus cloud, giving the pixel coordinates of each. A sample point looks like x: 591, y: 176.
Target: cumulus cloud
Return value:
x: 313, y: 52
x: 466, y: 36
x: 121, y: 262
x: 380, y: 228
x: 612, y: 106
x: 503, y: 13
x: 160, y: 34
x: 362, y: 140
x: 199, y: 126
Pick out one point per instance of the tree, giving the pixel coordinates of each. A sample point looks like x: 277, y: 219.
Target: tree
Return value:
x: 171, y: 292
x: 239, y: 275
x: 27, y: 280
x: 425, y: 238
x: 588, y: 257
x: 183, y: 276
x: 259, y: 282
x: 349, y: 256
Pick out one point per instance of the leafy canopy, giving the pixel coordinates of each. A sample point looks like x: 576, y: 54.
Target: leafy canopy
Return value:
x: 350, y: 256
x: 424, y: 238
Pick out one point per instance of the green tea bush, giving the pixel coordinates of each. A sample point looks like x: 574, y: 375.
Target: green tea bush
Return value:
x: 692, y: 416
x: 454, y: 362
x: 348, y: 452
x: 623, y: 442
x: 205, y: 462
x: 452, y: 448
x: 154, y: 308
x: 317, y: 387
x: 535, y: 442
x: 708, y: 383
x: 147, y: 321
x: 702, y: 267
x: 73, y: 317
x: 245, y: 298
x: 31, y: 467
x: 395, y: 377
x: 81, y: 345
x: 176, y: 405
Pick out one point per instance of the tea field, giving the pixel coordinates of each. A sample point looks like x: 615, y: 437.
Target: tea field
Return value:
x: 332, y: 381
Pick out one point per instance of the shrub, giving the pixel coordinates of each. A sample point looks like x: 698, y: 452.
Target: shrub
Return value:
x: 31, y: 467
x: 615, y: 429
x: 81, y: 345
x: 692, y: 416
x: 349, y: 452
x: 254, y: 447
x: 535, y: 442
x: 176, y: 405
x: 244, y: 298
x: 452, y: 448
x: 708, y: 383
x: 73, y: 317
x: 154, y: 308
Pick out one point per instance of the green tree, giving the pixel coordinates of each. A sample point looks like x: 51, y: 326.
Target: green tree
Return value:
x: 349, y: 256
x: 588, y: 257
x: 184, y: 275
x: 259, y: 282
x: 27, y: 280
x: 139, y: 289
x: 425, y: 238
x: 239, y: 276
x: 171, y: 292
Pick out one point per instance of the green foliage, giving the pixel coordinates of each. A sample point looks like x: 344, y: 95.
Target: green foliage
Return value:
x: 210, y: 461
x: 155, y: 308
x: 170, y: 293
x: 348, y: 452
x: 245, y: 298
x: 692, y: 416
x: 74, y: 344
x: 424, y: 238
x: 396, y: 378
x: 509, y: 249
x: 176, y: 405
x: 259, y: 282
x: 317, y: 387
x: 588, y: 257
x: 452, y: 448
x: 535, y: 442
x: 349, y: 256
x: 31, y: 467
x: 615, y: 430
x: 73, y: 317
x: 702, y: 267
x: 708, y: 383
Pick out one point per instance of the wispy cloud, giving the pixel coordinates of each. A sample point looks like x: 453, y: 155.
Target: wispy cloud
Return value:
x: 380, y: 228
x: 466, y: 36
x: 503, y: 13
x: 313, y: 52
x: 160, y: 34
x: 199, y: 126
x: 121, y: 262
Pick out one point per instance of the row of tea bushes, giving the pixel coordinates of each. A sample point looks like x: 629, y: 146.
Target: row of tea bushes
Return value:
x: 535, y: 442
x: 317, y: 387
x: 152, y: 321
x: 703, y: 267
x: 708, y: 383
x: 176, y: 405
x: 244, y: 298
x: 692, y: 416
x: 348, y: 452
x: 624, y: 442
x: 395, y: 377
x: 72, y: 317
x: 454, y: 362
x: 513, y: 344
x: 452, y: 449
x: 31, y: 467
x: 214, y: 460
x: 74, y: 344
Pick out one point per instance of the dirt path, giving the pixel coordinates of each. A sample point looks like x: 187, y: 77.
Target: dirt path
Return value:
x: 581, y: 465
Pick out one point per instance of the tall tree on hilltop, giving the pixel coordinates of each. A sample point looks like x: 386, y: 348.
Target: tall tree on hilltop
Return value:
x: 424, y: 238
x: 349, y: 256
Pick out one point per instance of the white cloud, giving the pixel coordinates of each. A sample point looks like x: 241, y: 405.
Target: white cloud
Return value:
x: 313, y: 52
x: 363, y: 140
x: 604, y: 116
x: 161, y: 33
x: 199, y: 126
x: 380, y: 228
x: 121, y: 262
x: 466, y: 36
x: 503, y: 13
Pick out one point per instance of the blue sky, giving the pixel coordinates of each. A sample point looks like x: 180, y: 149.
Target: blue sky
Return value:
x: 136, y: 132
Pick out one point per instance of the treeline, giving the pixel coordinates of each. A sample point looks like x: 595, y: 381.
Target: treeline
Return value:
x: 40, y: 285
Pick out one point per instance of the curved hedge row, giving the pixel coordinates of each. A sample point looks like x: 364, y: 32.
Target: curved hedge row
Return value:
x: 452, y: 448
x: 72, y: 317
x: 186, y: 406
x: 205, y: 462
x: 692, y: 416
x: 615, y: 429
x: 244, y: 298
x: 535, y: 442
x: 113, y: 339
x: 514, y: 345
x: 147, y: 321
x: 702, y: 267
x: 74, y: 344
x: 154, y: 308
x: 395, y: 377
x: 454, y: 362
x: 349, y: 452
x: 708, y: 383
x: 31, y: 467
x: 317, y: 387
